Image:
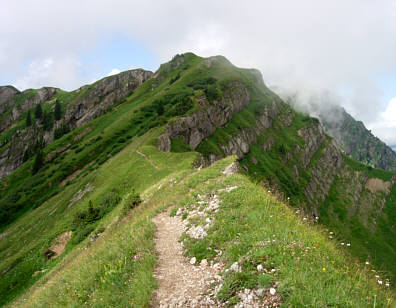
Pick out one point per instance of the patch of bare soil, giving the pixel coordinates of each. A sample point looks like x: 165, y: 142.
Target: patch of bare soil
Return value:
x: 60, y: 244
x: 375, y: 185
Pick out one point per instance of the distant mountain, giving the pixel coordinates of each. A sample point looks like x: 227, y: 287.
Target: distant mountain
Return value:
x: 352, y: 136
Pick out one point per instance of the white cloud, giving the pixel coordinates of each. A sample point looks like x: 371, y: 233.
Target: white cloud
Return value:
x: 60, y: 73
x: 385, y: 127
x: 114, y: 71
x: 330, y: 44
x: 390, y: 113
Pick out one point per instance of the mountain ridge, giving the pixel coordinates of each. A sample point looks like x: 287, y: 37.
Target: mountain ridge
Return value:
x: 352, y: 136
x: 78, y: 107
x: 198, y: 111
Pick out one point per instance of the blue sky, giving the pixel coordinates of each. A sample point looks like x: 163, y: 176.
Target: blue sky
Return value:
x: 345, y: 47
x: 118, y: 52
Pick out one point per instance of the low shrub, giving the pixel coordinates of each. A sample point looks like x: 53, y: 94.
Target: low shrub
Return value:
x: 84, y: 222
x: 131, y: 201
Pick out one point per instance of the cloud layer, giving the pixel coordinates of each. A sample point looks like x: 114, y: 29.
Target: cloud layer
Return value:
x: 342, y: 46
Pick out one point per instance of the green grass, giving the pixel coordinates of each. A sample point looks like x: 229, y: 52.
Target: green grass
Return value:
x: 356, y: 225
x: 178, y: 145
x: 26, y: 257
x: 276, y: 168
x: 117, y: 269
x: 110, y: 153
x: 153, y: 104
x: 95, y: 142
x: 311, y: 270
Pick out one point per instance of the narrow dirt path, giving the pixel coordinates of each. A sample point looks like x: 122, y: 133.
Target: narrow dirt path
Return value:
x: 147, y: 158
x: 180, y: 283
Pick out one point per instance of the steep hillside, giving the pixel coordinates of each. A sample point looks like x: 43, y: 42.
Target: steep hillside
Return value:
x: 359, y: 143
x: 248, y: 228
x: 21, y: 138
x: 290, y: 153
x: 69, y: 235
x: 351, y: 135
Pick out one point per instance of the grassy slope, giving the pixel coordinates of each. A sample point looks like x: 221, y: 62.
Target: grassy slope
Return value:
x: 275, y: 168
x: 107, y: 274
x: 45, y: 202
x: 123, y: 172
x: 93, y: 143
x: 107, y: 136
x: 375, y: 242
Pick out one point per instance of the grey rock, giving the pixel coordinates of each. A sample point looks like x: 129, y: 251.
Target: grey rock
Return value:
x: 193, y: 129
x: 92, y: 101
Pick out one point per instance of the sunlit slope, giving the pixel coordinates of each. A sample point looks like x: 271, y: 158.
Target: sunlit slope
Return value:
x: 117, y: 268
x: 25, y: 241
x: 90, y: 175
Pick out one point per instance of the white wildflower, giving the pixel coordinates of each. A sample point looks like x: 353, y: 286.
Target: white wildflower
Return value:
x: 235, y: 267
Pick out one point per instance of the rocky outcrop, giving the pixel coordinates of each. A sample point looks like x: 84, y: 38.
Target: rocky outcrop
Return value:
x: 194, y: 128
x: 323, y: 171
x: 313, y: 137
x: 6, y: 95
x: 20, y: 102
x: 96, y: 99
x: 91, y: 102
x: 358, y: 142
x: 11, y: 157
x: 351, y: 135
x: 239, y: 144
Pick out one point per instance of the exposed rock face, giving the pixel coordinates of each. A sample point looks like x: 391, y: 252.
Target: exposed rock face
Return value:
x: 364, y: 198
x: 102, y: 95
x: 351, y: 135
x: 94, y: 100
x: 239, y: 145
x: 323, y: 172
x: 313, y: 137
x: 358, y: 142
x: 11, y: 157
x: 202, y: 124
x: 20, y: 102
x: 6, y: 94
x: 375, y: 185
